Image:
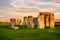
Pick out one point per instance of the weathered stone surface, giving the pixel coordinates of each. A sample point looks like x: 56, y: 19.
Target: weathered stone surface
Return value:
x: 14, y: 23
x: 25, y: 21
x: 30, y: 22
x: 18, y: 22
x: 16, y: 27
x: 41, y: 24
x: 47, y: 21
x: 52, y: 21
x: 35, y: 20
x: 44, y: 19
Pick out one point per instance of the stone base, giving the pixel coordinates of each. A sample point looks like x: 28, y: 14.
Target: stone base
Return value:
x: 16, y: 27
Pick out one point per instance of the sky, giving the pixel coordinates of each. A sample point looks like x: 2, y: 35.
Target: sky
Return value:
x: 20, y: 8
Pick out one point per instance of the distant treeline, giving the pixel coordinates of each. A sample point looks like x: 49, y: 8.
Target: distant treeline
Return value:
x: 4, y: 23
x: 57, y: 23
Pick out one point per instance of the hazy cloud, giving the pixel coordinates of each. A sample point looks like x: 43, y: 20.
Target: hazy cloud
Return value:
x: 39, y: 5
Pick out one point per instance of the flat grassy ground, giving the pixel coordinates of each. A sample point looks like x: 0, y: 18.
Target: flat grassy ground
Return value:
x: 6, y: 33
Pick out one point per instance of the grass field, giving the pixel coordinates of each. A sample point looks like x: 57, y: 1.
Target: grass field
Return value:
x: 7, y: 33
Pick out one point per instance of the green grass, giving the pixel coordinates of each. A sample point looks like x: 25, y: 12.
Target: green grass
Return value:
x: 6, y: 33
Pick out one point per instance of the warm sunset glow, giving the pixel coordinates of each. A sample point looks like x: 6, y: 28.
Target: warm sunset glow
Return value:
x: 20, y: 8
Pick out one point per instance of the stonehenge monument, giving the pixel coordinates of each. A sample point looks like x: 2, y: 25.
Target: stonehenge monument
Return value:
x: 46, y: 19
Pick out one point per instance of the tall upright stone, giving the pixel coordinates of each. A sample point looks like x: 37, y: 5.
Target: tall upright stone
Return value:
x: 30, y: 22
x: 14, y: 24
x: 47, y: 20
x: 19, y: 21
x: 41, y: 24
x: 25, y: 21
x: 13, y: 21
x: 52, y: 21
x: 35, y: 20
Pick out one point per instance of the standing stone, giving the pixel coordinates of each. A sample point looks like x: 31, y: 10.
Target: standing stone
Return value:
x: 35, y: 21
x: 41, y: 24
x: 30, y: 22
x: 16, y: 24
x: 52, y: 23
x: 13, y: 24
x: 25, y: 21
x: 47, y: 20
x: 19, y: 21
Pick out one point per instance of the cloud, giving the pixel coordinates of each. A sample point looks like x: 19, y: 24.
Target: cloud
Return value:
x: 50, y: 5
x: 15, y: 12
x: 55, y: 0
x: 17, y: 7
x: 39, y: 4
